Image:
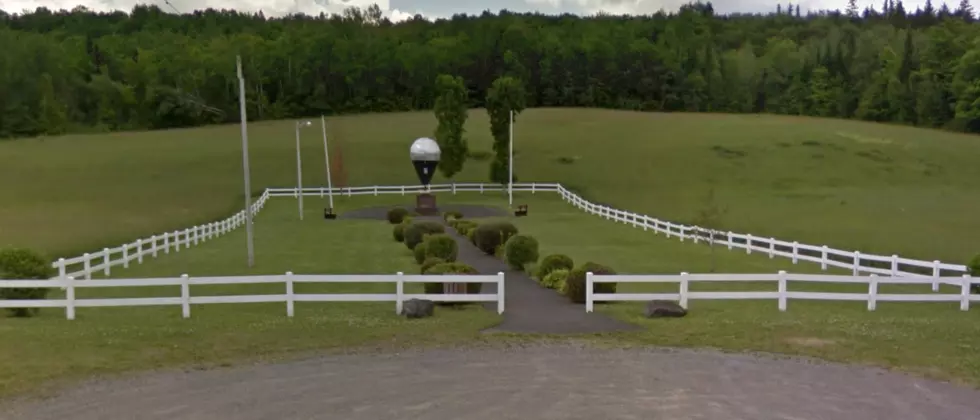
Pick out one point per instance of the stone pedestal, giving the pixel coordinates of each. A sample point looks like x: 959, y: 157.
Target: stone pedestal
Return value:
x: 425, y: 205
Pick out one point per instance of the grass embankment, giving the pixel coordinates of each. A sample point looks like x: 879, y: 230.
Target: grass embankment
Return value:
x: 847, y: 184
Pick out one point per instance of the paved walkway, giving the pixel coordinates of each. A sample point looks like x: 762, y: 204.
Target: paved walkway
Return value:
x: 530, y: 307
x: 541, y: 382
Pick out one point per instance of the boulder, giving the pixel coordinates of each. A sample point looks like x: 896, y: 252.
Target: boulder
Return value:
x: 664, y: 309
x: 418, y: 308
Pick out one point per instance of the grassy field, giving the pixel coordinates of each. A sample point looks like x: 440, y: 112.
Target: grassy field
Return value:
x: 38, y: 352
x: 932, y: 339
x: 851, y: 185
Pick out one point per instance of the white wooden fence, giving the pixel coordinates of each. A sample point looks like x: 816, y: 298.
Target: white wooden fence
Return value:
x: 781, y: 294
x: 857, y: 262
x: 289, y: 297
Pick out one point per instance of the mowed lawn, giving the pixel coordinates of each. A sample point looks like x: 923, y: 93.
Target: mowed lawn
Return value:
x: 851, y: 185
x: 43, y: 351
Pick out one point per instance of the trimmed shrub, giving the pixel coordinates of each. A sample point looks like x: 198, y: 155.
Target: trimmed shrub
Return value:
x: 399, y: 232
x: 554, y: 262
x: 450, y: 268
x: 428, y: 263
x: 490, y: 236
x: 452, y: 215
x: 441, y: 246
x: 520, y: 250
x: 575, y: 283
x: 415, y: 232
x: 555, y: 279
x: 396, y: 215
x: 419, y: 252
x: 24, y: 264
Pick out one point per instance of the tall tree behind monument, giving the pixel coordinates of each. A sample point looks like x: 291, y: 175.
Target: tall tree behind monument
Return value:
x: 451, y: 113
x: 505, y: 95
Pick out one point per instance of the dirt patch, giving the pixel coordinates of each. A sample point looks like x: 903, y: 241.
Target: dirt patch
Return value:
x: 810, y: 342
x: 468, y: 211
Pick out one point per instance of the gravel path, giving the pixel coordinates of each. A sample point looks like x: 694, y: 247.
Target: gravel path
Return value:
x: 537, y: 382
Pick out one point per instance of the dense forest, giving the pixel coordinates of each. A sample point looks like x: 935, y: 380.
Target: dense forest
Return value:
x: 71, y: 71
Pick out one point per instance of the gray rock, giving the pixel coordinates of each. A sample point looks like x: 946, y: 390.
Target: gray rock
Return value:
x: 664, y: 309
x: 418, y: 308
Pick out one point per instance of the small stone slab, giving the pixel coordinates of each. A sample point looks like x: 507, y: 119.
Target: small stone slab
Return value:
x: 418, y: 308
x: 664, y: 309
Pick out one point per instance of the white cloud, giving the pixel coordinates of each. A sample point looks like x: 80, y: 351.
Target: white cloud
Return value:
x: 268, y: 7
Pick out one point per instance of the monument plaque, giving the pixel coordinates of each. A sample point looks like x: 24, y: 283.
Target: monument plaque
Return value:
x: 425, y: 154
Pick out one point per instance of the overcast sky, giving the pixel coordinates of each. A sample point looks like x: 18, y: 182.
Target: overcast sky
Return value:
x: 400, y: 9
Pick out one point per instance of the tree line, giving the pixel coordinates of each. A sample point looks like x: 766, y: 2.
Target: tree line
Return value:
x: 72, y: 71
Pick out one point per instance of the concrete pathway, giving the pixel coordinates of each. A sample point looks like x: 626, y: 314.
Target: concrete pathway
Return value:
x: 530, y: 307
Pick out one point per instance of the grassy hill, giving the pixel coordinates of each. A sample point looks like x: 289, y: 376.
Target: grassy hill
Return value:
x: 847, y: 184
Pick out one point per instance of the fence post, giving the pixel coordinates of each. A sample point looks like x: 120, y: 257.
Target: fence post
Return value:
x: 177, y: 241
x: 454, y: 188
x: 399, y: 293
x: 375, y: 190
x: 796, y: 251
x: 105, y: 261
x: 153, y: 244
x: 197, y: 235
x: 500, y: 292
x: 857, y: 263
x: 684, y: 288
x: 748, y: 243
x: 772, y: 247
x: 680, y: 232
x: 166, y: 243
x: 729, y: 240
x: 481, y: 188
x: 70, y: 298
x: 61, y: 268
x: 290, y: 306
x: 894, y: 265
x: 872, y: 292
x: 697, y: 234
x: 823, y: 258
x: 589, y: 282
x: 125, y: 257
x: 965, y: 293
x: 87, y: 265
x: 782, y: 290
x: 936, y: 272
x: 185, y: 295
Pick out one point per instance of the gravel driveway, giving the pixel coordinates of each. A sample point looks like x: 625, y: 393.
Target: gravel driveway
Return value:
x: 556, y: 381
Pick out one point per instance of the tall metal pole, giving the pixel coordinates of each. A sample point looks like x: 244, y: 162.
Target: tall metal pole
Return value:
x: 326, y: 157
x: 510, y: 182
x: 299, y: 174
x: 248, y: 184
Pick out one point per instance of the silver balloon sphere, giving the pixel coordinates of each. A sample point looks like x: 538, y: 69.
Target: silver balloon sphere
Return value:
x: 425, y: 149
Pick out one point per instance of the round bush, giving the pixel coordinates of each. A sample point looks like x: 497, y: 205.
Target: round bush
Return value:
x: 520, y: 250
x: 396, y: 215
x: 490, y: 236
x: 575, y: 283
x: 554, y: 262
x: 24, y: 264
x: 415, y: 232
x: 419, y: 253
x: 464, y: 226
x: 440, y: 245
x: 555, y: 279
x: 428, y: 263
x: 450, y: 268
x: 399, y: 232
x: 452, y: 215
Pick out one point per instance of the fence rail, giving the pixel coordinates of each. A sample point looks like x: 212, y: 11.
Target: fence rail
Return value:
x: 781, y: 294
x: 857, y: 262
x: 289, y: 297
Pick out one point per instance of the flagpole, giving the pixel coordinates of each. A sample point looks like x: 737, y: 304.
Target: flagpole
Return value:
x: 248, y: 186
x: 326, y: 157
x: 510, y: 182
x: 299, y: 174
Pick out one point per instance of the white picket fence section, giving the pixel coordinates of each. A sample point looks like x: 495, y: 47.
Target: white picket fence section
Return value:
x: 781, y: 294
x: 89, y: 263
x: 289, y: 297
x: 855, y: 261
